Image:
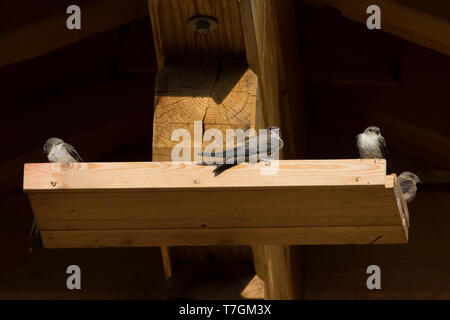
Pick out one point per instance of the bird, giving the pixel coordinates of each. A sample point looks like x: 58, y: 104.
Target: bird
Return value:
x: 263, y: 147
x: 59, y: 151
x: 408, y: 182
x: 372, y: 145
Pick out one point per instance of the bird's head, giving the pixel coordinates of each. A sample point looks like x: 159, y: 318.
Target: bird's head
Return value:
x: 274, y: 130
x: 50, y: 144
x: 410, y: 176
x: 373, y: 130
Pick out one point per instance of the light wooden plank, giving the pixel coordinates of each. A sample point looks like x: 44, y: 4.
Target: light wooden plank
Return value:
x: 426, y: 30
x: 181, y: 175
x: 159, y: 202
x: 39, y: 37
x: 224, y: 236
x: 264, y: 207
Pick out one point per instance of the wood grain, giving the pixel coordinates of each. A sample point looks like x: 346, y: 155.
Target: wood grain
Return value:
x: 174, y: 37
x: 224, y: 236
x: 187, y: 175
x: 338, y: 206
x: 218, y: 94
x: 272, y: 52
x: 140, y: 196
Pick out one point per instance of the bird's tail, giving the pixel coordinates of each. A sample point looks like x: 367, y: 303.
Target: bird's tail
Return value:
x: 222, y: 167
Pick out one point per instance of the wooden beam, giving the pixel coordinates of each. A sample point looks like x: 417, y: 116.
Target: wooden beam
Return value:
x: 272, y: 52
x: 173, y: 37
x: 178, y: 108
x: 427, y: 30
x: 226, y: 236
x: 218, y: 94
x: 190, y: 176
x: 154, y: 197
x: 50, y: 33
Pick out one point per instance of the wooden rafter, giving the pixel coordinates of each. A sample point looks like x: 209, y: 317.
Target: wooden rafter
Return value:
x: 268, y: 209
x: 50, y: 33
x: 409, y: 23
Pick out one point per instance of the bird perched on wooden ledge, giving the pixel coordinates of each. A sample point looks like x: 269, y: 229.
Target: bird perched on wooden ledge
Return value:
x: 56, y: 150
x: 262, y: 148
x: 372, y: 145
x: 59, y: 151
x: 408, y: 182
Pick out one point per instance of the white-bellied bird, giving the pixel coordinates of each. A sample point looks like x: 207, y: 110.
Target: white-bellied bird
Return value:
x: 372, y: 145
x: 57, y: 150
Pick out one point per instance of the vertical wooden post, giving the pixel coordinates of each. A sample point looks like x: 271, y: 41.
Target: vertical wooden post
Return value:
x: 272, y: 52
x: 263, y: 31
x: 202, y: 77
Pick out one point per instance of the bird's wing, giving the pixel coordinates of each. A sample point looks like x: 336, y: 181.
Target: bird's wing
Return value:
x: 383, y: 147
x: 73, y: 153
x: 223, y: 154
x: 248, y: 140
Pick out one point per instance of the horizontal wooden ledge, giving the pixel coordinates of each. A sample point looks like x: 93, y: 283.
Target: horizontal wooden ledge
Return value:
x: 226, y: 236
x: 188, y: 175
x: 166, y: 203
